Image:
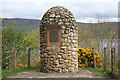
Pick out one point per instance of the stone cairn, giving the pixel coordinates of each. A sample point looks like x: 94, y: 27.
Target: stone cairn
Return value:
x: 64, y: 58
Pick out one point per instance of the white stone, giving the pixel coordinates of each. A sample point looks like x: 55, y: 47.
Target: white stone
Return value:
x: 69, y: 48
x: 52, y: 15
x: 66, y: 61
x: 74, y: 49
x: 67, y: 23
x: 63, y: 27
x: 59, y: 56
x: 59, y: 23
x: 56, y: 62
x: 66, y: 40
x: 58, y: 16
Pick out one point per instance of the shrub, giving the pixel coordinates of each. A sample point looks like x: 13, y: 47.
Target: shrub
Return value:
x: 85, y: 58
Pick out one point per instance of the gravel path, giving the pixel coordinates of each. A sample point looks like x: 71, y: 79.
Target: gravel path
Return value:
x: 35, y: 74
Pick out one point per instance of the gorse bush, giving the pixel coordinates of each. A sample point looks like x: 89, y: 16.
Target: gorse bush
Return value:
x: 85, y: 58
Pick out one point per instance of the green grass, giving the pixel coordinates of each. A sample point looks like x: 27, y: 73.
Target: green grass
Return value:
x: 6, y: 73
x: 119, y: 72
x: 99, y: 72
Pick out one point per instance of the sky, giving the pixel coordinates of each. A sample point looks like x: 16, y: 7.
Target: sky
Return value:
x: 83, y: 10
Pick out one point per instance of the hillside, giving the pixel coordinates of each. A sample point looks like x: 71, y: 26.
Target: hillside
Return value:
x: 34, y: 23
x: 30, y: 24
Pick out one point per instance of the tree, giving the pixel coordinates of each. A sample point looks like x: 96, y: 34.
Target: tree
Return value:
x: 11, y: 39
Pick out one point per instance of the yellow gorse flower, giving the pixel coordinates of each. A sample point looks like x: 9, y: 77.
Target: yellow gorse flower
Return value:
x: 83, y: 54
x: 87, y: 54
x: 39, y: 60
x: 19, y: 65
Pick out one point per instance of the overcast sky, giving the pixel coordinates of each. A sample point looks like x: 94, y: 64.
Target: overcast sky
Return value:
x: 83, y: 10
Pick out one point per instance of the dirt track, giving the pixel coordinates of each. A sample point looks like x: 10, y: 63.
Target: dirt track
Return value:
x: 36, y: 74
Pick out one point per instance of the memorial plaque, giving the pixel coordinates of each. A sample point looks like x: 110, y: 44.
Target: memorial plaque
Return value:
x: 53, y: 35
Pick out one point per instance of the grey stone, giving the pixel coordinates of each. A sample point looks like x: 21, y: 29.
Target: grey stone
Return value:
x: 74, y: 49
x: 71, y: 69
x: 61, y: 61
x: 68, y: 65
x: 63, y: 47
x: 48, y: 48
x: 65, y: 35
x: 66, y: 61
x: 62, y: 66
x: 65, y: 56
x: 63, y: 27
x: 62, y: 31
x: 56, y: 62
x: 67, y: 23
x: 45, y: 54
x: 58, y: 16
x: 63, y: 44
x: 59, y: 56
x: 61, y: 51
x: 66, y: 40
x: 52, y: 15
x: 51, y: 19
x: 65, y: 70
x: 69, y: 48
x: 56, y: 69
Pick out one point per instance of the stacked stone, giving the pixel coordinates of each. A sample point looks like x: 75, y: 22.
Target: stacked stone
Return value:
x: 62, y: 58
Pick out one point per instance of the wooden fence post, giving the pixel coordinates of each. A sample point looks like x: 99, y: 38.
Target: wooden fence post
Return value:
x: 119, y: 50
x: 113, y: 65
x: 114, y: 60
x: 94, y: 58
x: 105, y: 63
x: 14, y: 60
x: 29, y: 55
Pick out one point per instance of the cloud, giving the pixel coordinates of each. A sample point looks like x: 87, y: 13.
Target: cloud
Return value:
x: 81, y: 9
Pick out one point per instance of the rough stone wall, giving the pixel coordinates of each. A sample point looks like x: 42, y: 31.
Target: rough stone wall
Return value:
x: 62, y: 58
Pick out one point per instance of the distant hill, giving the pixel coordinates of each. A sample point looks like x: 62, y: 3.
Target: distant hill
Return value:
x: 30, y: 24
x: 34, y: 23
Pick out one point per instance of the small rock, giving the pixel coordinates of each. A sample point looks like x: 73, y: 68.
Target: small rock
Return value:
x: 65, y: 70
x: 52, y: 15
x: 69, y: 48
x: 59, y: 56
x: 71, y: 69
x: 61, y: 61
x: 65, y: 56
x: 63, y: 27
x: 67, y: 23
x: 57, y: 16
x: 56, y: 62
x: 63, y: 66
x: 66, y: 61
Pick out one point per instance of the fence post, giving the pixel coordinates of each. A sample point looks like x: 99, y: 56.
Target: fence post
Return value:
x: 94, y: 58
x: 105, y: 63
x: 29, y: 55
x: 113, y: 65
x: 114, y: 61
x: 14, y: 60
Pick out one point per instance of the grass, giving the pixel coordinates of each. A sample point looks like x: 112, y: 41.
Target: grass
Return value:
x: 119, y: 72
x: 99, y: 72
x: 6, y: 73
